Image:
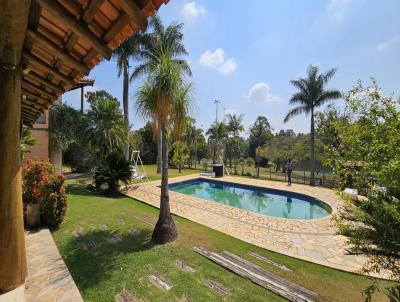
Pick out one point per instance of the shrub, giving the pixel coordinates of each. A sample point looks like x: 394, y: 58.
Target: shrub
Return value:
x: 250, y: 161
x: 111, y: 170
x: 41, y: 185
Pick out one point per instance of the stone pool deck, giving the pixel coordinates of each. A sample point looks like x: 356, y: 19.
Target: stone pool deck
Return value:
x: 311, y: 240
x: 48, y: 277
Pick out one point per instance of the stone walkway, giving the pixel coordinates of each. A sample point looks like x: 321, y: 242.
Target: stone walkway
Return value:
x: 48, y: 277
x: 311, y: 240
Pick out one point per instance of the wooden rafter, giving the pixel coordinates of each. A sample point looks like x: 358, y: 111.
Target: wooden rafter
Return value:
x: 39, y: 99
x: 79, y: 27
x: 38, y: 90
x: 28, y: 58
x: 91, y: 10
x: 116, y: 27
x: 55, y: 49
x: 35, y: 77
x: 134, y: 12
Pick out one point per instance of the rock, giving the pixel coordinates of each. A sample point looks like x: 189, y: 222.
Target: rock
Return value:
x: 184, y: 267
x: 89, y: 246
x: 103, y: 227
x: 120, y: 221
x: 114, y: 239
x: 161, y: 282
x: 125, y: 296
x: 134, y: 232
x: 77, y: 232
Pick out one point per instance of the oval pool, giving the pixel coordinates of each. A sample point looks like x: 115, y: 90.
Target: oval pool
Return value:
x: 270, y: 202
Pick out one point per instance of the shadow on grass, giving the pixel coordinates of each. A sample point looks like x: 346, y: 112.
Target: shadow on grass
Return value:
x: 80, y: 190
x: 93, y: 257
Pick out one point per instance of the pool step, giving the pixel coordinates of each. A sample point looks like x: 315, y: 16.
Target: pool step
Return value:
x: 258, y: 275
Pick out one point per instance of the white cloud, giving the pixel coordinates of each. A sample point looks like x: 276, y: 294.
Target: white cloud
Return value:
x: 216, y: 60
x: 191, y: 10
x: 228, y: 67
x: 260, y: 92
x: 337, y: 9
x: 212, y: 59
x: 387, y: 44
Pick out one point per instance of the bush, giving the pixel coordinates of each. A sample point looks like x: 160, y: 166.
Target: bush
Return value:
x: 111, y: 170
x: 41, y: 185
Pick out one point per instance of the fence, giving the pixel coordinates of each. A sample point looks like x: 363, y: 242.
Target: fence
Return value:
x: 323, y: 179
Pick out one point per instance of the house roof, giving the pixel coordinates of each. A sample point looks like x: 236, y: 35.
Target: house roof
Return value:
x: 65, y: 39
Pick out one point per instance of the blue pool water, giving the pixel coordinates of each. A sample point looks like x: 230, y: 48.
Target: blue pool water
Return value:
x: 269, y: 202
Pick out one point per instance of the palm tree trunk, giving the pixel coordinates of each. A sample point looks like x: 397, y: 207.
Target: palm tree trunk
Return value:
x: 159, y: 151
x: 312, y: 158
x: 126, y: 107
x: 165, y: 230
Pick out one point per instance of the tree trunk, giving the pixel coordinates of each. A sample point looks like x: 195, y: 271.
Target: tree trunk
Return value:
x: 125, y: 95
x: 159, y: 151
x: 13, y: 23
x: 165, y: 230
x: 312, y: 158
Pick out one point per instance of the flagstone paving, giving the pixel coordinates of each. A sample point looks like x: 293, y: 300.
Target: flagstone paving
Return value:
x: 48, y: 276
x: 311, y: 240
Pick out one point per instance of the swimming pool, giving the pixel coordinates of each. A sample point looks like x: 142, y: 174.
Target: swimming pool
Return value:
x: 265, y: 201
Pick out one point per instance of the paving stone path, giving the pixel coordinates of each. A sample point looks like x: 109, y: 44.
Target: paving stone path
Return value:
x: 48, y: 276
x: 312, y: 240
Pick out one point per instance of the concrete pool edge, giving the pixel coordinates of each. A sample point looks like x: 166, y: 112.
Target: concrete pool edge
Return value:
x: 318, y: 247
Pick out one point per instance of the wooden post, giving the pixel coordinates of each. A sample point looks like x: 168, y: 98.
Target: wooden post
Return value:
x: 13, y: 23
x: 82, y: 99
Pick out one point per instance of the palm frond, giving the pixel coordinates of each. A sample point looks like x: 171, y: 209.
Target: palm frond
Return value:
x: 294, y: 112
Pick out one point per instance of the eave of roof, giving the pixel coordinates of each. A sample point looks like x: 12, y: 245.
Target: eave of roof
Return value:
x: 65, y: 39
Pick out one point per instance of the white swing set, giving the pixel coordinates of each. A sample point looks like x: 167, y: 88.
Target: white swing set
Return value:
x: 136, y: 161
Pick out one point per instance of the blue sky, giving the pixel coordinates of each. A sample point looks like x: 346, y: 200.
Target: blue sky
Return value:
x: 244, y: 53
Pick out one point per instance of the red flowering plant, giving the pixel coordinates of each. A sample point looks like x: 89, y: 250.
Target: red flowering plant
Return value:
x: 42, y: 185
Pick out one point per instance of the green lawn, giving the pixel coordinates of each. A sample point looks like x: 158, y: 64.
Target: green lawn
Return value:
x: 127, y: 264
x: 151, y: 171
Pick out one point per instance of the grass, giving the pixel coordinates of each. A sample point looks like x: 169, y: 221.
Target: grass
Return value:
x: 127, y: 264
x: 151, y: 171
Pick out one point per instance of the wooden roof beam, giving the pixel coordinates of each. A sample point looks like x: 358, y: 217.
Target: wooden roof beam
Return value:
x: 35, y: 77
x: 29, y: 114
x: 116, y: 27
x: 31, y: 107
x: 54, y: 49
x: 28, y: 86
x: 135, y: 13
x: 38, y: 98
x: 91, y: 10
x: 78, y: 27
x: 50, y: 69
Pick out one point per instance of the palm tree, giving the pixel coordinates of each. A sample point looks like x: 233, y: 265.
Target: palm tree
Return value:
x: 164, y: 98
x: 235, y: 127
x: 129, y: 49
x: 311, y: 95
x: 154, y: 44
x: 217, y: 135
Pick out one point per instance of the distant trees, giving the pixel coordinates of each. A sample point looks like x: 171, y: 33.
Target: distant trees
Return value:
x: 312, y: 94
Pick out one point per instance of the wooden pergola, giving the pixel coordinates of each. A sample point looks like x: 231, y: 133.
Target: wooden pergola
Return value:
x: 46, y: 48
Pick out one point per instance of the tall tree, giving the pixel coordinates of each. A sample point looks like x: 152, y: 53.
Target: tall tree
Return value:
x: 312, y: 94
x: 260, y: 134
x: 154, y: 43
x: 127, y: 50
x: 106, y: 128
x: 165, y: 98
